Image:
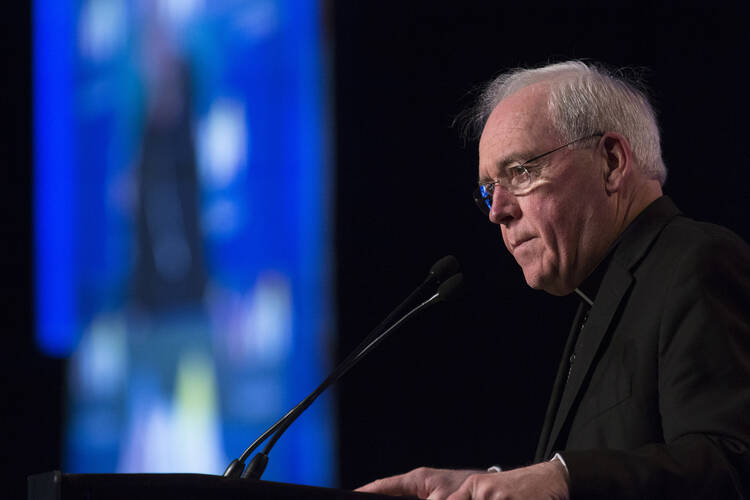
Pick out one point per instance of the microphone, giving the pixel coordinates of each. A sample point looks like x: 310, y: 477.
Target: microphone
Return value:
x: 452, y: 288
x: 439, y: 272
x: 444, y: 268
x: 442, y: 274
x: 448, y: 290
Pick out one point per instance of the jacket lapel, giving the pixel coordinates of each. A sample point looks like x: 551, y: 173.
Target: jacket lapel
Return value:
x: 557, y: 389
x: 631, y: 247
x: 614, y: 286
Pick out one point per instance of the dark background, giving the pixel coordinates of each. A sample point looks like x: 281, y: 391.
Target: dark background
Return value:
x: 465, y: 384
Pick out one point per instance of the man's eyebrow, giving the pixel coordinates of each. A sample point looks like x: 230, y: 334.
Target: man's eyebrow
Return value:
x: 518, y: 157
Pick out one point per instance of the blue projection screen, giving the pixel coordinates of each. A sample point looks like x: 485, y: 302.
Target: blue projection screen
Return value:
x: 182, y: 239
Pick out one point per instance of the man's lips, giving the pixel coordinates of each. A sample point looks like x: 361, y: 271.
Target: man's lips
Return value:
x: 517, y: 243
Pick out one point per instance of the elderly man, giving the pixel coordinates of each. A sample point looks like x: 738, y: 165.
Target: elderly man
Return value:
x: 652, y: 398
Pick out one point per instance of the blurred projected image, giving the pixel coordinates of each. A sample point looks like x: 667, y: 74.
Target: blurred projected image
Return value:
x: 181, y: 230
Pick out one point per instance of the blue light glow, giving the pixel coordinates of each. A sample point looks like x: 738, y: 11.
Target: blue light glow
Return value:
x: 54, y: 181
x: 181, y: 228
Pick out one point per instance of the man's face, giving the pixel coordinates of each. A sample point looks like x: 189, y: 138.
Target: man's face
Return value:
x: 559, y: 230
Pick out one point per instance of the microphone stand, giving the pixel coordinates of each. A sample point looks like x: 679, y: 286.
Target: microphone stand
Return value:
x: 258, y: 464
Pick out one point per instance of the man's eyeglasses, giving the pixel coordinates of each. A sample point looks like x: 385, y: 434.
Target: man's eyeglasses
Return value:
x: 517, y: 178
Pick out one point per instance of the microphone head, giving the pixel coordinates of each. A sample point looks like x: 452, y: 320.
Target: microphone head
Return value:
x: 451, y: 288
x: 444, y: 268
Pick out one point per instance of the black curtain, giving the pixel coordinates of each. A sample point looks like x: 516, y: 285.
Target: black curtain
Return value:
x: 465, y: 384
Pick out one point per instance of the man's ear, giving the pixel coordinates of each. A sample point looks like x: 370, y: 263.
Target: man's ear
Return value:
x: 618, y: 160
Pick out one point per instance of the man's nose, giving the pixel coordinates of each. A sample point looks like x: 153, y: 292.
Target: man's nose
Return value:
x: 504, y: 207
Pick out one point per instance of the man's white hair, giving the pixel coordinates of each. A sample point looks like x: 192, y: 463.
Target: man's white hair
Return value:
x: 585, y: 99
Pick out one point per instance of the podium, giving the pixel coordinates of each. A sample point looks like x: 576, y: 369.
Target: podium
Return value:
x: 57, y: 486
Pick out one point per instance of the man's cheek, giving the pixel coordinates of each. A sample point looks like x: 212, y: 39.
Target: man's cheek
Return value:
x: 505, y: 239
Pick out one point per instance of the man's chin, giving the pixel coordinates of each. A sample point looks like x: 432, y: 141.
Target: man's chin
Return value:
x: 545, y: 283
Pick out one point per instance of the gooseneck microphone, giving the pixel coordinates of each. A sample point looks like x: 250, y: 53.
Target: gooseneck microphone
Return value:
x: 439, y: 272
x: 442, y: 276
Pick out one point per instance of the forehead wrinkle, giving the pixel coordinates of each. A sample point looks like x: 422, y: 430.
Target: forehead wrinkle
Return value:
x: 515, y: 157
x: 489, y: 144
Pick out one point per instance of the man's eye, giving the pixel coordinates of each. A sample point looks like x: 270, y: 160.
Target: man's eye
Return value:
x: 516, y: 176
x: 515, y: 171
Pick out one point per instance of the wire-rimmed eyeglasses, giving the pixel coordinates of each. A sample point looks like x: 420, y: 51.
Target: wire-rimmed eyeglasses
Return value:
x: 516, y: 178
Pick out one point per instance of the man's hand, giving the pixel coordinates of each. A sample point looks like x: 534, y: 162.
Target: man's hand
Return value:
x: 541, y: 481
x: 422, y: 482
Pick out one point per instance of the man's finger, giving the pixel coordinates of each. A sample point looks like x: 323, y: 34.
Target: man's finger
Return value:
x: 394, y: 485
x: 464, y: 492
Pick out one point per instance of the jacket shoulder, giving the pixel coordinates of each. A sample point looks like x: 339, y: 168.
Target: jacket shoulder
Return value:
x: 684, y: 240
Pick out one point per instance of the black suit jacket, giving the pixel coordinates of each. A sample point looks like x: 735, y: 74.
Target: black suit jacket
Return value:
x: 657, y: 404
